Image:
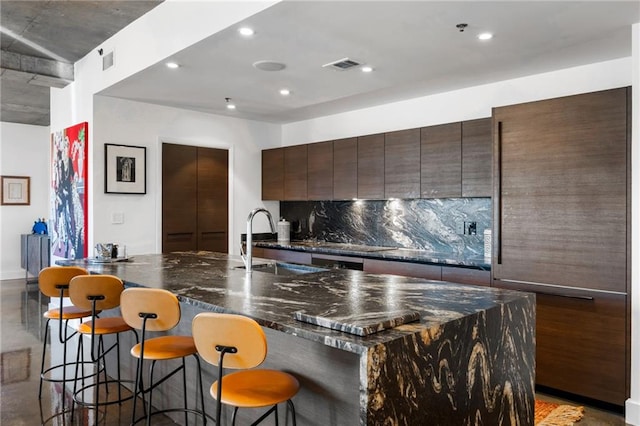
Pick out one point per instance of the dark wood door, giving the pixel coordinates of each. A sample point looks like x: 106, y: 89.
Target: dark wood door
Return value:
x: 561, y: 191
x: 194, y: 198
x: 476, y: 158
x: 345, y: 169
x: 295, y: 173
x: 179, y: 198
x: 320, y: 171
x: 371, y: 167
x: 213, y: 199
x: 273, y: 174
x: 441, y: 158
x: 402, y: 164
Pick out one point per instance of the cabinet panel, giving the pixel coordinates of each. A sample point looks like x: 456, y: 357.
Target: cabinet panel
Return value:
x: 406, y: 269
x: 273, y: 174
x: 345, y: 169
x: 561, y: 191
x: 212, y: 178
x: 402, y: 164
x: 179, y: 197
x: 581, y: 340
x: 476, y: 158
x: 283, y: 255
x: 466, y: 276
x: 371, y: 167
x: 440, y: 161
x: 320, y: 171
x: 295, y: 172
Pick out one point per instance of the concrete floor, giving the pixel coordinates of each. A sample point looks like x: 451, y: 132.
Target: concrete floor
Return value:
x: 21, y: 347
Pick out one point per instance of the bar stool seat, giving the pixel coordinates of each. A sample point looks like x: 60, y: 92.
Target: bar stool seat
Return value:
x: 110, y: 325
x: 231, y: 341
x: 68, y: 313
x: 166, y: 347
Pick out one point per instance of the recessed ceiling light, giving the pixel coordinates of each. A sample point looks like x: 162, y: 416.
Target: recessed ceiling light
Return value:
x: 172, y: 65
x: 230, y: 105
x: 246, y: 31
x: 285, y: 92
x: 485, y: 36
x: 366, y: 68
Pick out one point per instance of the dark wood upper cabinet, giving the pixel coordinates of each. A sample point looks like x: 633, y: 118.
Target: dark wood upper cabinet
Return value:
x: 402, y: 164
x: 273, y: 174
x: 371, y: 167
x: 295, y: 172
x: 320, y: 171
x: 560, y: 209
x: 476, y: 158
x: 345, y: 169
x: 440, y: 161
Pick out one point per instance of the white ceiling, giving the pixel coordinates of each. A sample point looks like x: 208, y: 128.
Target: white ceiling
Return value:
x: 414, y: 47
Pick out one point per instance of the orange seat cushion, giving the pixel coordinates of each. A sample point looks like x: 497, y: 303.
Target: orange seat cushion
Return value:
x: 256, y: 388
x: 109, y: 325
x: 166, y: 347
x: 68, y: 312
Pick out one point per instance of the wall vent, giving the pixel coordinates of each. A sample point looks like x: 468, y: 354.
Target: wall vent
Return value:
x: 342, y: 64
x: 107, y: 61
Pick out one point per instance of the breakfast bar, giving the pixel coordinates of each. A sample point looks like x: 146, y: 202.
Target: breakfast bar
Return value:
x: 367, y: 349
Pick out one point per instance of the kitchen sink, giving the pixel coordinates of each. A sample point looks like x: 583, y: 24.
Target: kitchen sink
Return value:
x: 284, y: 269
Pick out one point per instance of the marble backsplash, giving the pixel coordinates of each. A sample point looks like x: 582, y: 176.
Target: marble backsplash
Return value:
x: 424, y: 224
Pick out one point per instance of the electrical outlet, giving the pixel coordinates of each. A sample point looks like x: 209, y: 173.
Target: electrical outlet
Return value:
x: 470, y: 228
x: 460, y: 228
x: 117, y: 218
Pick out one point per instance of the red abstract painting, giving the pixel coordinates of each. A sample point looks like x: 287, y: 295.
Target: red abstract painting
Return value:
x: 69, y: 201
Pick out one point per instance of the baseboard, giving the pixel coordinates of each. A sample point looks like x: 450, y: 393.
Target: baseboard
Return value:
x: 632, y: 412
x: 12, y: 275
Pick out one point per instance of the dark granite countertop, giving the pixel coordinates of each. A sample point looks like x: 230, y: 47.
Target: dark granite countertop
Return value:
x: 385, y: 253
x: 215, y: 282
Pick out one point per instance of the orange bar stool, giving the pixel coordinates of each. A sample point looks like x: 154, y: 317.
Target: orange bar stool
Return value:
x: 98, y: 293
x: 158, y: 310
x: 238, y: 342
x: 54, y: 281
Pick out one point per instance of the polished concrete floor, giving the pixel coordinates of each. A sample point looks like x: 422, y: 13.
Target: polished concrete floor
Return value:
x: 21, y: 347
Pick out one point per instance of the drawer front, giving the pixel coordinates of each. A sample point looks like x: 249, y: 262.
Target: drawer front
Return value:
x: 283, y: 255
x: 431, y: 272
x: 581, y: 342
x: 466, y: 276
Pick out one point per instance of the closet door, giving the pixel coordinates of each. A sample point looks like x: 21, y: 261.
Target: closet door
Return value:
x: 213, y: 199
x: 179, y: 197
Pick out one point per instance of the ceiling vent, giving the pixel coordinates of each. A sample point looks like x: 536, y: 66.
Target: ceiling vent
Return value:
x: 342, y: 64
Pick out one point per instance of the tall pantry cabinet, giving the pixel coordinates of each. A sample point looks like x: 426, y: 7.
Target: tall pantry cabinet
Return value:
x: 561, y: 227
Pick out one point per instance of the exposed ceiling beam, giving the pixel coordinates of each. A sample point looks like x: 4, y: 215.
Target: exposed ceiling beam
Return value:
x: 40, y: 71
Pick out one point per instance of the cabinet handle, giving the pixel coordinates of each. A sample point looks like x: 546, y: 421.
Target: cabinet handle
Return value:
x: 498, y: 225
x: 569, y: 296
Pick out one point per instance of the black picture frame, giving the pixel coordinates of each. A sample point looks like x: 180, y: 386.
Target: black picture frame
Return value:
x: 125, y: 169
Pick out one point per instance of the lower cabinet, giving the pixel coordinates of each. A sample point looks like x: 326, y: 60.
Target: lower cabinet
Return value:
x: 283, y: 255
x: 406, y: 269
x: 581, y: 341
x: 466, y: 276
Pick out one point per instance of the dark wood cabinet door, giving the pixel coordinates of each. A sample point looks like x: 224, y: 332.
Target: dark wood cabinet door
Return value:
x: 273, y: 174
x: 440, y: 161
x: 295, y: 173
x: 320, y: 171
x: 179, y: 198
x: 560, y: 209
x: 402, y: 164
x: 405, y: 269
x: 345, y: 169
x: 476, y: 158
x: 466, y: 276
x: 213, y: 196
x: 371, y: 167
x: 581, y: 340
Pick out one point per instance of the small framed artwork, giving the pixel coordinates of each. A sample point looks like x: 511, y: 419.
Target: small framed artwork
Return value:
x: 125, y: 169
x: 15, y: 190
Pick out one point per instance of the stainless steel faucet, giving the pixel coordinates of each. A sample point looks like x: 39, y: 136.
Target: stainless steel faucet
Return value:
x: 247, y: 258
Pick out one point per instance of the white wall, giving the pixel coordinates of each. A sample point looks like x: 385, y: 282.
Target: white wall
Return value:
x: 633, y: 403
x: 24, y: 151
x: 153, y: 124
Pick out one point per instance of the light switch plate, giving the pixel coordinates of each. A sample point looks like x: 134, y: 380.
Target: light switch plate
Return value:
x: 117, y: 218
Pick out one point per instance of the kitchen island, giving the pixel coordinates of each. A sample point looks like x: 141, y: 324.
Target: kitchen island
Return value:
x: 469, y: 359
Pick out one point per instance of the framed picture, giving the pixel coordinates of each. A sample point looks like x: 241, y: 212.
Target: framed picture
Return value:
x: 125, y: 169
x: 15, y: 190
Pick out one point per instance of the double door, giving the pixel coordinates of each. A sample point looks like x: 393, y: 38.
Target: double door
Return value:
x: 194, y: 198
